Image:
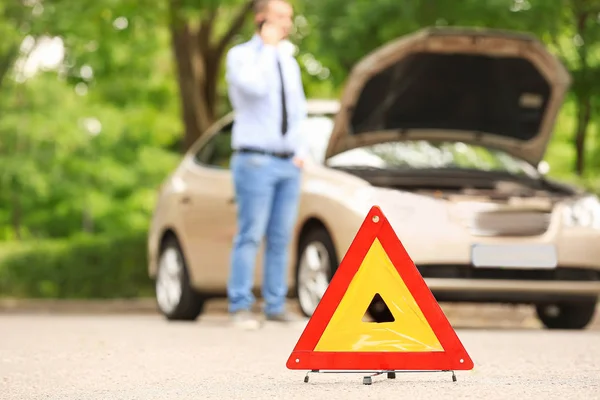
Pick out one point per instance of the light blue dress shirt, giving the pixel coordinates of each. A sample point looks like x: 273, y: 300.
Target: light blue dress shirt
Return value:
x: 255, y: 93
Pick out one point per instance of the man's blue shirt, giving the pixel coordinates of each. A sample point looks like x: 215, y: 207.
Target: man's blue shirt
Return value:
x: 254, y: 90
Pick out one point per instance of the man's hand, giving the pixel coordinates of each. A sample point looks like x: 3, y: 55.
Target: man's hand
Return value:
x: 271, y: 33
x: 298, y: 162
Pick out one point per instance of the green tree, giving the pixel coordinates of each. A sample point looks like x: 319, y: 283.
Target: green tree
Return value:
x: 14, y: 20
x: 577, y: 41
x: 85, y: 147
x: 201, y: 32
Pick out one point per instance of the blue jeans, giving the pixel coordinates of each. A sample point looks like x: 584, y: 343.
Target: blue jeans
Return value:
x: 267, y: 192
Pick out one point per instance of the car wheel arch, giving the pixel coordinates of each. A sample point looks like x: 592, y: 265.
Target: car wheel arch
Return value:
x: 167, y: 234
x: 310, y: 224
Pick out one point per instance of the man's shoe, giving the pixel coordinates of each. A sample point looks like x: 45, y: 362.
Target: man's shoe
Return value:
x: 285, y: 317
x: 245, y: 320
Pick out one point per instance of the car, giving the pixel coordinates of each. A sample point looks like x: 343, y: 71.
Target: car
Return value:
x: 445, y: 129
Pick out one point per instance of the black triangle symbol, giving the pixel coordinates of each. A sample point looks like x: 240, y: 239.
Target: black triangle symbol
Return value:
x: 378, y: 311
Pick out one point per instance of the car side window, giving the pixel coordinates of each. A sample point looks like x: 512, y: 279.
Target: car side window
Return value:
x: 217, y: 151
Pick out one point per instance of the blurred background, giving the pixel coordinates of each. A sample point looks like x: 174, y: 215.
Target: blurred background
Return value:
x: 99, y: 99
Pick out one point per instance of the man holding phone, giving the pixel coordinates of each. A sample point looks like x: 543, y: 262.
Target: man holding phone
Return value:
x: 266, y: 92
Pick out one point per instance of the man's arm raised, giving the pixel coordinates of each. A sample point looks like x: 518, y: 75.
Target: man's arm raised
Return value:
x: 247, y: 69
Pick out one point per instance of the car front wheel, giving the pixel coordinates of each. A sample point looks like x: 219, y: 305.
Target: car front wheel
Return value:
x: 316, y: 265
x: 176, y: 298
x: 567, y: 315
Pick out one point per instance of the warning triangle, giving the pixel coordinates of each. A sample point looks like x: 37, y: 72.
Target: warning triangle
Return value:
x: 419, y: 337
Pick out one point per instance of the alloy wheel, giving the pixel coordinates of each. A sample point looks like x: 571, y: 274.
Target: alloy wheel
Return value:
x: 314, y: 272
x: 169, y: 280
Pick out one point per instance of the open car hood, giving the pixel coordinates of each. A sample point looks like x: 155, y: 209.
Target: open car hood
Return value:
x: 486, y: 87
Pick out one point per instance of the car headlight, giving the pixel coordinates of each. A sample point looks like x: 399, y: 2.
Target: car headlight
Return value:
x: 584, y: 212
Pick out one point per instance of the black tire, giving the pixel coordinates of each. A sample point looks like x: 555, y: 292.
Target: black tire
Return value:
x: 572, y: 316
x: 320, y: 235
x: 190, y: 303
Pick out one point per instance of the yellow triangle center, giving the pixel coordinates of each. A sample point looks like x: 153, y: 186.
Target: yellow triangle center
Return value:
x: 409, y: 332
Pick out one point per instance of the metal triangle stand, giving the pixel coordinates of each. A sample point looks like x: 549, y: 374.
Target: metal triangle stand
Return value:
x: 368, y: 379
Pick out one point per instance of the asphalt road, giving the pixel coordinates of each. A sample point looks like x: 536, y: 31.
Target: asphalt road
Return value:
x: 145, y: 357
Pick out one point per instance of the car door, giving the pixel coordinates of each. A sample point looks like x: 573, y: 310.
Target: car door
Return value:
x: 209, y: 211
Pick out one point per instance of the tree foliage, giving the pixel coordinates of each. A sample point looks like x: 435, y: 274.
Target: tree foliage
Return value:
x: 85, y: 145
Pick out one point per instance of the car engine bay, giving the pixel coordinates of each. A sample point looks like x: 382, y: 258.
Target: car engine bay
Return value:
x: 461, y: 184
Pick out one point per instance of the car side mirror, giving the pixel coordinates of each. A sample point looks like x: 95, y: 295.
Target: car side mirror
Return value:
x: 543, y: 167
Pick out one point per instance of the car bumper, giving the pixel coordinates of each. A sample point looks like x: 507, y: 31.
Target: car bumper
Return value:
x: 511, y: 291
x: 510, y: 286
x: 572, y: 251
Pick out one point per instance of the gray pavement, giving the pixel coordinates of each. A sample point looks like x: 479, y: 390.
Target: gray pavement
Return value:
x: 71, y: 356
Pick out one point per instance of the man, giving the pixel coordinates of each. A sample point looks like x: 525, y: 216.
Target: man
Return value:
x: 265, y: 90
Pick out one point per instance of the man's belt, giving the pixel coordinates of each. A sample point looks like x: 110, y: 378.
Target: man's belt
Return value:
x: 265, y: 152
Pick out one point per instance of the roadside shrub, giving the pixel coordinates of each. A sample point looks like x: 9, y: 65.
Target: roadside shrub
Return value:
x: 85, y: 267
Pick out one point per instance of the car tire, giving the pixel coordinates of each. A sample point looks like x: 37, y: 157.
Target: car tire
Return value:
x: 315, y: 265
x: 573, y: 316
x: 177, y: 300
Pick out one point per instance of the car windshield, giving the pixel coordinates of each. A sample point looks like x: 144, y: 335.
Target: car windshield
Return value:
x: 416, y: 154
